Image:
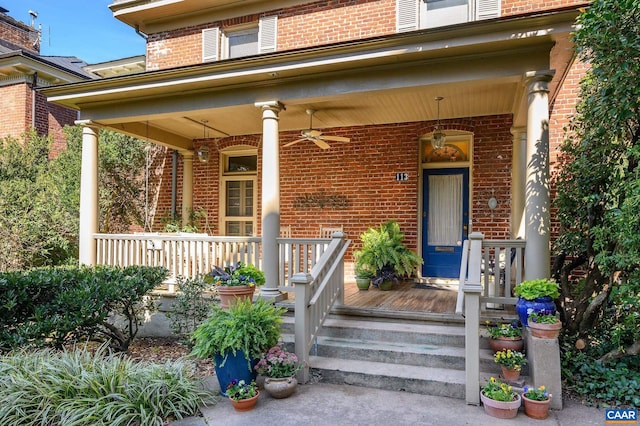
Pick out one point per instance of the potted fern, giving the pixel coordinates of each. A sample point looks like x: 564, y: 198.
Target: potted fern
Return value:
x: 385, y: 256
x: 234, y: 338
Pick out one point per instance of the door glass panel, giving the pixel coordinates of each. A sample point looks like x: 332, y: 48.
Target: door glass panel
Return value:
x: 445, y: 210
x: 239, y: 198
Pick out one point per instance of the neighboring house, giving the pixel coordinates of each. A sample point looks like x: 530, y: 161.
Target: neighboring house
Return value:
x: 233, y: 82
x: 23, y: 70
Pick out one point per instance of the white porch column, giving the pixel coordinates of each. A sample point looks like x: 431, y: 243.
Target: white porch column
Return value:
x: 537, y: 199
x: 187, y: 186
x: 88, y: 195
x: 518, y: 167
x: 270, y: 197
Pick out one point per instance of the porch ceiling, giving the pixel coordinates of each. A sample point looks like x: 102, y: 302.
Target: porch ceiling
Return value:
x: 478, y: 68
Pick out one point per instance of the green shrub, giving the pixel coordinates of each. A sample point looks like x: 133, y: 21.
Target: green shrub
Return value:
x: 56, y: 306
x: 80, y: 388
x: 190, y: 308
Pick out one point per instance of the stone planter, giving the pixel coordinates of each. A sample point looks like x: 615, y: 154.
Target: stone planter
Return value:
x: 280, y: 387
x: 500, y: 409
x: 545, y: 331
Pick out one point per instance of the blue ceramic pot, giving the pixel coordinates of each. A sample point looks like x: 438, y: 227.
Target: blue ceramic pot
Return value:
x: 524, y: 307
x: 235, y: 367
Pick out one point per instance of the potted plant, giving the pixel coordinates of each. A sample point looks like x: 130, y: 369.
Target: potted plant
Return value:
x: 511, y: 363
x: 238, y: 281
x: 234, y: 338
x: 499, y: 399
x: 243, y: 395
x: 279, y: 368
x: 536, y: 402
x: 505, y: 336
x: 363, y: 278
x: 535, y: 295
x: 385, y: 256
x: 544, y: 324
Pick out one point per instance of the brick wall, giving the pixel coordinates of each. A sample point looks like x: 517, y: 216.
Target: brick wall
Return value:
x: 316, y: 23
x: 18, y: 33
x: 15, y: 104
x: 517, y: 7
x: 356, y: 181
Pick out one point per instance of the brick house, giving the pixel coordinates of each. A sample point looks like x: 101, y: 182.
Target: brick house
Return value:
x: 22, y: 71
x: 289, y: 115
x: 237, y: 80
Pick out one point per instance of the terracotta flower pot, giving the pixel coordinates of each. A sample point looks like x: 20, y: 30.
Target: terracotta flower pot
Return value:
x: 228, y: 294
x: 500, y: 343
x: 510, y: 374
x: 500, y: 409
x: 545, y: 331
x: 536, y: 409
x: 280, y: 387
x: 245, y: 404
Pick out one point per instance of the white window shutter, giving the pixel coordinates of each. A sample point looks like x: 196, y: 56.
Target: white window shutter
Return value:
x: 487, y: 9
x: 267, y: 33
x: 407, y: 15
x: 210, y: 42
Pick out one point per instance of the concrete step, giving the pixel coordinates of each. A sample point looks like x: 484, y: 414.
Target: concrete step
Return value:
x: 414, y: 356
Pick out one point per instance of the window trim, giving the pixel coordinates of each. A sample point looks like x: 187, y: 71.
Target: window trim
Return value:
x: 225, y: 177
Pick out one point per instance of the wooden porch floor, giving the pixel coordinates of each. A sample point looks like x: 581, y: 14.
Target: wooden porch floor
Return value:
x: 408, y: 300
x: 406, y: 296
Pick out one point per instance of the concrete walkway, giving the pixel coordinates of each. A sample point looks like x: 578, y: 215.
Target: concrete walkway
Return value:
x: 328, y: 404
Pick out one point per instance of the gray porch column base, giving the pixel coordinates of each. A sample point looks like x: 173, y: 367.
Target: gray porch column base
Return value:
x: 544, y: 366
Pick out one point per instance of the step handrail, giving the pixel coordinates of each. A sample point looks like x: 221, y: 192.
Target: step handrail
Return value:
x: 315, y: 293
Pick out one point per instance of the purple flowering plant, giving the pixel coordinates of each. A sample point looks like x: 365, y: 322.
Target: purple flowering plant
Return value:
x: 239, y: 389
x: 537, y: 394
x: 496, y: 331
x: 278, y: 363
x: 543, y: 316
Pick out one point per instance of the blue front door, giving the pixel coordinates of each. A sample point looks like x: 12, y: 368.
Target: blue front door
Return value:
x: 445, y: 219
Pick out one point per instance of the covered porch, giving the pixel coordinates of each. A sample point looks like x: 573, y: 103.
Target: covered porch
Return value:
x: 498, y: 79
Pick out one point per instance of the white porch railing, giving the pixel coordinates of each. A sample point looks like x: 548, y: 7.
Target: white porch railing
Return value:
x: 299, y: 255
x: 186, y: 255
x: 315, y: 293
x: 488, y: 271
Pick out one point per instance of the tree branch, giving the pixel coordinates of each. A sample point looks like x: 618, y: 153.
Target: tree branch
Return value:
x: 631, y: 350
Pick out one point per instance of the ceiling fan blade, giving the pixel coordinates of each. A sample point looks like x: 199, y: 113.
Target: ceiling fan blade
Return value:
x: 335, y: 138
x: 322, y: 144
x: 295, y: 142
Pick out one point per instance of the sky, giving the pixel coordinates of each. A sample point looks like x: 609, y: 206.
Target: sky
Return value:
x: 82, y: 28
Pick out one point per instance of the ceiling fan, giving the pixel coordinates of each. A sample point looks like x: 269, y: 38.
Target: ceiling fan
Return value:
x: 316, y: 136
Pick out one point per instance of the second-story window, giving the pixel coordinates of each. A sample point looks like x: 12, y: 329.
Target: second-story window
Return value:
x: 416, y: 14
x: 238, y: 41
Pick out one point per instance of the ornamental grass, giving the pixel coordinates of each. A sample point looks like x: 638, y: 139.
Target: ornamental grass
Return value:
x: 81, y: 388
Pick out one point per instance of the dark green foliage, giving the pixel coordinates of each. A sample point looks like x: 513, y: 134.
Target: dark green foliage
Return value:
x: 36, y: 226
x: 40, y: 197
x: 81, y: 388
x: 598, y: 252
x: 56, y: 306
x: 190, y: 308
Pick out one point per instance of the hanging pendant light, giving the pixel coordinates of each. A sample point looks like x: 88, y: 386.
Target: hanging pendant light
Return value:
x: 203, y: 151
x: 439, y: 138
